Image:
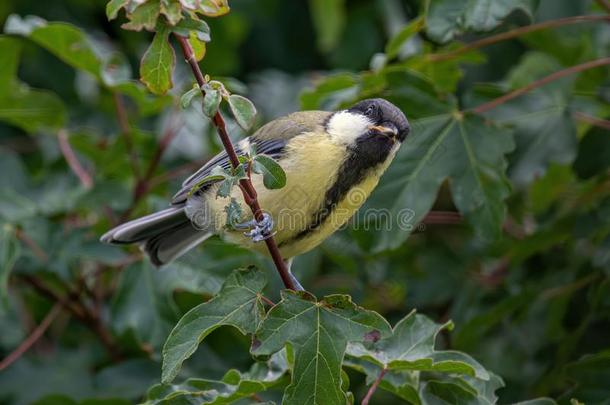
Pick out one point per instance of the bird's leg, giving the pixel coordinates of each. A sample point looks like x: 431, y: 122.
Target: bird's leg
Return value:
x: 258, y: 230
x: 296, y: 283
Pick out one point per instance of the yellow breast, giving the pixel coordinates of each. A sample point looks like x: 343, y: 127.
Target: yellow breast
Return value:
x: 311, y: 164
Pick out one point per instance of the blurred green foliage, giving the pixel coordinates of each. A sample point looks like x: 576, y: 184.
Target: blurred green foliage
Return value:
x: 523, y: 271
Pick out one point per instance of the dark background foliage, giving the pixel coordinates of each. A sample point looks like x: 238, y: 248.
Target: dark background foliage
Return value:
x: 530, y: 302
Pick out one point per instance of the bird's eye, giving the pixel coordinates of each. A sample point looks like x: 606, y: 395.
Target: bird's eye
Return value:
x: 370, y: 111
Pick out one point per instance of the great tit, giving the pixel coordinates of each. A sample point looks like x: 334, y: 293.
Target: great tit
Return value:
x: 332, y: 161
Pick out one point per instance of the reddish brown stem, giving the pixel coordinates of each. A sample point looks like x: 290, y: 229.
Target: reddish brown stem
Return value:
x: 29, y: 242
x: 245, y: 184
x: 374, y: 387
x: 589, y: 119
x: 143, y: 185
x: 36, y: 334
x: 539, y: 83
x: 80, y: 312
x: 72, y: 160
x: 442, y: 217
x: 516, y: 33
x: 121, y: 114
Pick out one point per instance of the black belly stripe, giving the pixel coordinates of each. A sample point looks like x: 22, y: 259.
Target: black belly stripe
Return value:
x: 365, y: 156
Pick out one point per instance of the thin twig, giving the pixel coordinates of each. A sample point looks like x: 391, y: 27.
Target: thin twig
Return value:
x: 36, y: 334
x: 267, y: 300
x: 539, y: 83
x: 123, y: 121
x: 605, y: 4
x: 437, y: 57
x: 589, y: 119
x: 29, y: 242
x: 80, y: 312
x: 70, y: 156
x: 245, y: 184
x: 442, y: 217
x: 373, y: 388
x: 143, y: 185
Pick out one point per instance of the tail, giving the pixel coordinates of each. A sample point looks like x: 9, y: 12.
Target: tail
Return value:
x: 164, y: 235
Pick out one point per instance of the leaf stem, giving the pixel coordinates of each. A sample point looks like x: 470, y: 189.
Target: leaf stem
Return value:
x: 245, y: 184
x: 72, y: 160
x: 539, y: 83
x: 591, y: 120
x: 36, y: 334
x: 374, y: 387
x: 437, y: 57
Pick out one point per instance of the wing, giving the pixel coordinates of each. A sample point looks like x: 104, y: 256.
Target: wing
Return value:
x: 270, y: 139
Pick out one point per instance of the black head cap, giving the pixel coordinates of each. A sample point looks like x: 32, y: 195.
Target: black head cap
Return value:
x: 382, y: 111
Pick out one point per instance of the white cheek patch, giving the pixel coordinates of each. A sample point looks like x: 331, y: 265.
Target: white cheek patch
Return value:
x: 345, y: 127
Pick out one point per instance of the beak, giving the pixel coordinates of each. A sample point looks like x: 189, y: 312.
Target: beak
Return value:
x: 387, y: 129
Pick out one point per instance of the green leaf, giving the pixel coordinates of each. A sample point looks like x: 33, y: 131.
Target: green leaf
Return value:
x: 144, y: 16
x: 188, y: 25
x: 393, y: 47
x: 9, y: 253
x: 329, y: 17
x: 113, y: 7
x: 199, y: 47
x: 274, y: 176
x: 172, y: 10
x: 238, y: 304
x: 158, y: 63
x: 447, y: 19
x: 318, y: 333
x: 186, y: 98
x: 10, y: 49
x: 233, y: 386
x: 327, y: 90
x: 234, y: 213
x: 464, y: 149
x: 65, y: 41
x: 32, y: 110
x: 411, y: 347
x: 21, y: 106
x: 543, y: 126
x: 587, y: 376
x: 211, y: 102
x: 243, y: 110
x: 214, y: 8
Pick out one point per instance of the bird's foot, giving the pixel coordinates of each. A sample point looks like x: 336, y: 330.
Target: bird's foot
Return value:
x: 258, y: 230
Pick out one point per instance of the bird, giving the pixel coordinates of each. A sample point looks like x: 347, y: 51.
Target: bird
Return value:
x: 332, y: 162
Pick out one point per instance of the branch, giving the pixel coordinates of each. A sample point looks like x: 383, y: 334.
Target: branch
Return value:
x: 82, y: 313
x: 33, y: 338
x: 589, y: 119
x: 245, y: 184
x: 539, y: 83
x: 373, y: 388
x: 143, y: 184
x: 442, y: 217
x: 123, y: 121
x: 29, y: 242
x: 72, y: 160
x: 516, y: 33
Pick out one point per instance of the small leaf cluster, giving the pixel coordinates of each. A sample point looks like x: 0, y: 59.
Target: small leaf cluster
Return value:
x: 303, y: 344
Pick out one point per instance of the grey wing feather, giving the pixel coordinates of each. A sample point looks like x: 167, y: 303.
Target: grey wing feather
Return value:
x: 270, y: 139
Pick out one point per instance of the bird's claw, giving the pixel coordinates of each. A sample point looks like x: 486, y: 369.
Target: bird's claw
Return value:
x: 259, y: 230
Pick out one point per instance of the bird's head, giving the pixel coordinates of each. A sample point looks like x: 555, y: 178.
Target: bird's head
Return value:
x: 374, y: 120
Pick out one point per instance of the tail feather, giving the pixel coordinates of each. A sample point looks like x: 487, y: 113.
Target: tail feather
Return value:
x: 164, y: 235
